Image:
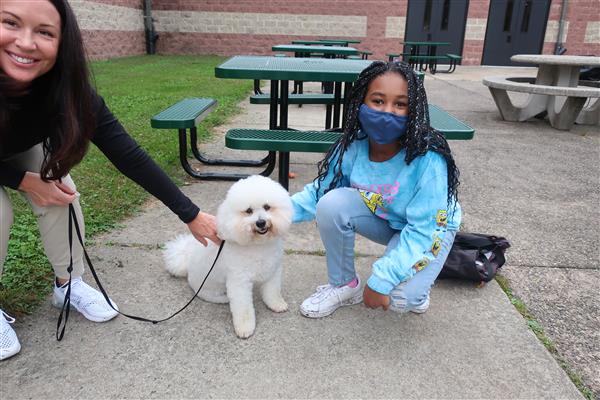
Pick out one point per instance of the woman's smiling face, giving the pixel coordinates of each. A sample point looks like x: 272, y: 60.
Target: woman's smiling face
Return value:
x: 29, y: 38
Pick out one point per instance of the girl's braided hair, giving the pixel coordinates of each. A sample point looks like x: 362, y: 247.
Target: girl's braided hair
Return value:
x: 419, y: 138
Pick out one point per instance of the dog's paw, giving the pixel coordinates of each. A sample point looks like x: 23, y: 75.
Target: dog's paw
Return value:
x: 244, y: 324
x: 244, y: 330
x: 277, y: 306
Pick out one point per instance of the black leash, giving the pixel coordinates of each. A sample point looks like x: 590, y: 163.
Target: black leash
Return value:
x: 67, y: 303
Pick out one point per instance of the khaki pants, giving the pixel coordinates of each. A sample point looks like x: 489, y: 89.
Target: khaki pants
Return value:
x: 52, y: 221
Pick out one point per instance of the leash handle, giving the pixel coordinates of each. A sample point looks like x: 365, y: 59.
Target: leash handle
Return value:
x: 67, y: 302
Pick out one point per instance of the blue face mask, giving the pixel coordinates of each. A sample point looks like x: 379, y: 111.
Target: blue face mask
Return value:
x: 382, y: 127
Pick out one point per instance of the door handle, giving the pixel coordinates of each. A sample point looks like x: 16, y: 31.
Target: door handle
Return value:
x: 508, y: 38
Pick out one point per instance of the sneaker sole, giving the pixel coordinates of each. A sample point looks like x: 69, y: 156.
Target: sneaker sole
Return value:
x: 8, y: 354
x: 320, y: 314
x: 58, y: 303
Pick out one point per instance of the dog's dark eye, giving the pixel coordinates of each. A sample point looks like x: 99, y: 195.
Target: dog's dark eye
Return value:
x: 267, y: 207
x: 248, y: 210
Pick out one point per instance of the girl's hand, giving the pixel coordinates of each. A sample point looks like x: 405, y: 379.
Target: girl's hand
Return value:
x: 203, y: 227
x: 44, y: 194
x: 372, y: 299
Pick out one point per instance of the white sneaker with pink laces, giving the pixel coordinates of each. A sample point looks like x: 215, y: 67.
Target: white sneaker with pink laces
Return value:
x: 329, y: 298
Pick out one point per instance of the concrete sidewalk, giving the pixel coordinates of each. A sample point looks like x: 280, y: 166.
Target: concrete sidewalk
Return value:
x: 526, y: 181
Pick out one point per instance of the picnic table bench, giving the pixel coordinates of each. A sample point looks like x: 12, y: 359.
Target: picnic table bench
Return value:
x: 422, y: 61
x: 556, y: 90
x: 186, y: 115
x: 286, y: 141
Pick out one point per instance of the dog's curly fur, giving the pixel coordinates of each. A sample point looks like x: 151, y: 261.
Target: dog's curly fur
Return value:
x: 255, y: 214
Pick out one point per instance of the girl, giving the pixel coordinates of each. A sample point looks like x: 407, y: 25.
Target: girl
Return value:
x: 392, y: 179
x: 49, y: 113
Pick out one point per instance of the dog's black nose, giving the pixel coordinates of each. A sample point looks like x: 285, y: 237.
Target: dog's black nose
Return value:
x: 261, y: 223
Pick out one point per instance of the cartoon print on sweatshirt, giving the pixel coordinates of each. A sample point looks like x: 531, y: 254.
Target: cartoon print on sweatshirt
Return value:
x: 372, y: 200
x: 442, y: 218
x: 437, y: 245
x: 422, y: 263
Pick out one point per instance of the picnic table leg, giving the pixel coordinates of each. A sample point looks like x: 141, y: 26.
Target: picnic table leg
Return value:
x: 590, y: 115
x: 207, y: 175
x: 257, y: 87
x: 563, y: 116
x: 337, y: 102
x: 220, y: 161
x: 284, y: 156
x: 347, y: 90
x: 273, y: 104
x: 328, y: 89
x: 536, y: 104
x: 432, y: 50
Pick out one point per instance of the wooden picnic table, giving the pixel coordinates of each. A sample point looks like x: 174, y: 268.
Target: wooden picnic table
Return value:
x: 556, y: 89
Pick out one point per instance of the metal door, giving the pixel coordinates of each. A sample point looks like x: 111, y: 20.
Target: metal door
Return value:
x: 438, y: 21
x: 514, y: 27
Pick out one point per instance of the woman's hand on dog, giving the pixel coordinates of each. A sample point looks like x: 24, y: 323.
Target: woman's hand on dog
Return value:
x: 373, y: 299
x: 203, y: 227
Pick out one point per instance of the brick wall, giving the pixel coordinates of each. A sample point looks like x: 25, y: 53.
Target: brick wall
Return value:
x: 115, y: 27
x: 111, y: 28
x: 252, y: 27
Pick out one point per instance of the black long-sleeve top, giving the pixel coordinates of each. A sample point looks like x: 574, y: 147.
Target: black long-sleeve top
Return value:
x: 110, y: 137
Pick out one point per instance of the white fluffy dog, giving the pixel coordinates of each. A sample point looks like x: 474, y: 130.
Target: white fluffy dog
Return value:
x: 255, y: 214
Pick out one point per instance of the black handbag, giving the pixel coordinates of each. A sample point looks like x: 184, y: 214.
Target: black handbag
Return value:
x: 474, y: 257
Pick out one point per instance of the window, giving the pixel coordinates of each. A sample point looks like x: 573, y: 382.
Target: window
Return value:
x: 445, y: 15
x: 526, y: 16
x: 427, y: 16
x: 508, y: 15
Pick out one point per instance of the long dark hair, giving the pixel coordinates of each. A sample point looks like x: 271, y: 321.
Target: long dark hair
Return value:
x: 64, y: 97
x: 419, y: 138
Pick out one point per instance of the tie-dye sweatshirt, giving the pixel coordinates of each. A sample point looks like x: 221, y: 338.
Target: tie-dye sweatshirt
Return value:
x: 412, y: 198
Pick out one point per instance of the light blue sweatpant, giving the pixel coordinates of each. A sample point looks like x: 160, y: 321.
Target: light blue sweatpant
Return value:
x: 340, y: 214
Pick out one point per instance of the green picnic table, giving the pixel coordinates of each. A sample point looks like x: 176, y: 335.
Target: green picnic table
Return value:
x: 415, y: 57
x: 286, y: 141
x: 317, y: 50
x: 347, y: 41
x: 305, y: 50
x: 326, y: 42
x: 280, y: 70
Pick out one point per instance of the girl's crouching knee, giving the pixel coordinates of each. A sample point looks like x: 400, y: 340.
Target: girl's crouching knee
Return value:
x: 330, y: 207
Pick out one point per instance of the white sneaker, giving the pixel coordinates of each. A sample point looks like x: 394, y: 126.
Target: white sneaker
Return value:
x: 422, y: 308
x: 329, y: 298
x: 85, y: 299
x: 9, y: 343
x: 400, y: 306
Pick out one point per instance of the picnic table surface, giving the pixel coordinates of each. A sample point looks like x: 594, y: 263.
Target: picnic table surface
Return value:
x: 424, y: 43
x: 291, y: 68
x: 553, y: 59
x: 348, y: 41
x: 298, y: 48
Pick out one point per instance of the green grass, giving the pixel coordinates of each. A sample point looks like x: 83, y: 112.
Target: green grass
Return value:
x: 539, y: 333
x: 135, y: 89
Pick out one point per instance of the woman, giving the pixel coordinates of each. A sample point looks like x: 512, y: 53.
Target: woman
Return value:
x: 49, y: 113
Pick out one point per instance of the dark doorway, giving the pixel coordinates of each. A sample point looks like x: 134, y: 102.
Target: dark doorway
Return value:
x: 514, y: 27
x: 439, y: 21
